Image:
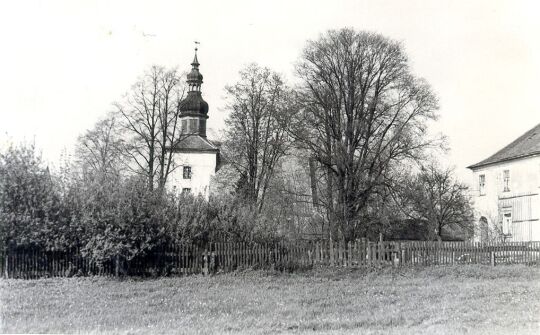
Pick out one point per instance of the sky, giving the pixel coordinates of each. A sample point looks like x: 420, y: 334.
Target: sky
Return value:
x: 64, y: 63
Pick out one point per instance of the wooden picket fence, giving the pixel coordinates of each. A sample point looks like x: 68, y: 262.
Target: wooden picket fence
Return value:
x: 226, y: 257
x: 424, y: 253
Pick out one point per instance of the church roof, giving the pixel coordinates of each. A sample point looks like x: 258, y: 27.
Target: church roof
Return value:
x: 194, y: 104
x: 194, y: 143
x: 527, y: 144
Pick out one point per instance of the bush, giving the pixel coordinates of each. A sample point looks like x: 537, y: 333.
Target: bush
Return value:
x: 31, y: 209
x: 120, y: 219
x: 109, y: 216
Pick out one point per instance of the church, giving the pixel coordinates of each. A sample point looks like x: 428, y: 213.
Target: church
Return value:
x: 196, y: 159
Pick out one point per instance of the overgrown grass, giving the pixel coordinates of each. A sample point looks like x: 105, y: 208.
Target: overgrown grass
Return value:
x: 436, y: 300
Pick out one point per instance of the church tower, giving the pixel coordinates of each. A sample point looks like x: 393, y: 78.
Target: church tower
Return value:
x: 196, y: 158
x: 193, y: 109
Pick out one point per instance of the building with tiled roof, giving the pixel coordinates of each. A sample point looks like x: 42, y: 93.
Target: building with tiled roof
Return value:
x: 196, y: 158
x: 506, y: 191
x: 526, y: 145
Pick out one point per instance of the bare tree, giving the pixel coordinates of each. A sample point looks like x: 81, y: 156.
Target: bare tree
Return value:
x: 435, y: 197
x: 363, y: 113
x: 256, y: 138
x: 99, y: 150
x: 150, y: 118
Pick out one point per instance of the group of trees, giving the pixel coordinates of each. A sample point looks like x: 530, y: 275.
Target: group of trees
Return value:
x: 359, y: 119
x: 106, y: 218
x: 135, y: 137
x: 342, y: 154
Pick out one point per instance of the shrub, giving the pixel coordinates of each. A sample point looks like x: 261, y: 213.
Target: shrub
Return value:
x: 121, y: 219
x: 31, y: 209
x: 108, y: 217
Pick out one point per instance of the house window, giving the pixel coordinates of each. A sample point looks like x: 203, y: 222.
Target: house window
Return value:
x: 186, y: 190
x: 482, y: 184
x: 187, y: 172
x: 506, y: 180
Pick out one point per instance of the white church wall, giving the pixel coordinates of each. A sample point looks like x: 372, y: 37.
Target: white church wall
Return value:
x: 203, y: 166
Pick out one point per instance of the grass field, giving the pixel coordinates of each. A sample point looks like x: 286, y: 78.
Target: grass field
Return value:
x: 437, y: 300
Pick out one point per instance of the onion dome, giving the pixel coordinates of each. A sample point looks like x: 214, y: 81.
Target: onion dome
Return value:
x: 195, y: 76
x: 194, y: 104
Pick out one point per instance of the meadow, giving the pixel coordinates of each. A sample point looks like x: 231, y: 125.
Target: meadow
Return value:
x: 464, y: 299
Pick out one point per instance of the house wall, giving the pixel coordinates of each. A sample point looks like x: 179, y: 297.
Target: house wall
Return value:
x: 203, y: 167
x: 522, y: 199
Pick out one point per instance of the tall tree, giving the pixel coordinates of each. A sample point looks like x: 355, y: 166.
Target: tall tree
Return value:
x: 257, y: 137
x: 363, y: 113
x: 435, y: 197
x: 150, y: 117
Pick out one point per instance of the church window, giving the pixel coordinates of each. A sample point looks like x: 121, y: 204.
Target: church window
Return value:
x: 187, y: 172
x: 482, y: 184
x: 192, y: 126
x: 506, y: 180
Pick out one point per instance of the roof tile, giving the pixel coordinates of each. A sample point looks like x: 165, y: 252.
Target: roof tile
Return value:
x: 526, y: 145
x: 193, y: 143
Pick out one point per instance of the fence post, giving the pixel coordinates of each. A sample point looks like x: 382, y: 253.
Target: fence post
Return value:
x: 117, y: 266
x: 331, y: 249
x: 211, y: 258
x: 351, y: 252
x: 380, y: 253
x: 492, y: 257
x: 363, y: 249
x: 205, y: 262
x: 369, y: 256
x: 6, y: 263
x: 401, y: 254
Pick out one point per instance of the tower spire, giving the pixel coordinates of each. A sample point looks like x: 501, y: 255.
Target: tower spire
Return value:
x: 195, y: 62
x: 195, y: 78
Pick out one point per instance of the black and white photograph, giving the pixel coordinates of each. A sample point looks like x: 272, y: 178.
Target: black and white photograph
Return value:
x: 269, y: 167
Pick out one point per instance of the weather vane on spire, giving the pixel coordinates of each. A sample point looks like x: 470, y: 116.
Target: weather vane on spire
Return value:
x: 197, y: 45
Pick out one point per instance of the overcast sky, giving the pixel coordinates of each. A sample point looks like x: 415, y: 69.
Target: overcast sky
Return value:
x: 63, y: 63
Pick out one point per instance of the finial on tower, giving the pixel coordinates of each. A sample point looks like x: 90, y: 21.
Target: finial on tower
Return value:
x: 195, y: 60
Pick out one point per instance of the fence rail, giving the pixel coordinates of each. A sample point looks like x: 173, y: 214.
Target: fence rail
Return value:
x: 225, y: 257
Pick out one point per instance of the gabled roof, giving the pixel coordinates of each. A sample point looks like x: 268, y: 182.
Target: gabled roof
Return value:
x: 194, y: 143
x: 527, y: 144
